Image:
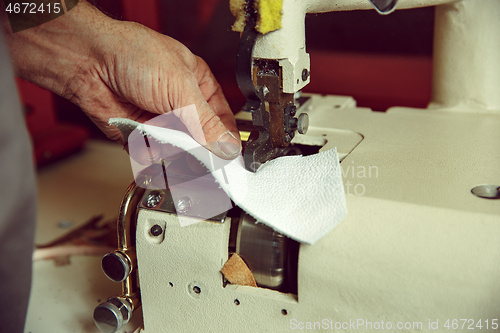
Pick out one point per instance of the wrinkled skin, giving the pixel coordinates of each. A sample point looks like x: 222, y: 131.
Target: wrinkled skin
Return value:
x: 111, y: 69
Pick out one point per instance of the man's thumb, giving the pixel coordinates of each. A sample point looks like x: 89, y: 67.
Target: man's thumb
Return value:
x: 208, y: 130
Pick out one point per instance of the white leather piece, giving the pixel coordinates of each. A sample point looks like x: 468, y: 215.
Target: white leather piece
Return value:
x: 301, y: 197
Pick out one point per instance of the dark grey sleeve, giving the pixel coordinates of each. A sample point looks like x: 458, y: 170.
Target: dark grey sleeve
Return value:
x: 17, y: 203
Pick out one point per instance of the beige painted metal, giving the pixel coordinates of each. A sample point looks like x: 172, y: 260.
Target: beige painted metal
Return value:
x: 467, y: 56
x: 416, y: 244
x: 193, y: 256
x: 463, y: 28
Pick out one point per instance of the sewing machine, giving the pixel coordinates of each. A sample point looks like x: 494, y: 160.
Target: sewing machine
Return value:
x: 418, y: 249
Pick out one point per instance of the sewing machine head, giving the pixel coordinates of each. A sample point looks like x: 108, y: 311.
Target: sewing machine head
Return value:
x: 273, y: 66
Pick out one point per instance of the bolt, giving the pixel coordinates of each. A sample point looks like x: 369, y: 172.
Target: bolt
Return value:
x: 265, y: 91
x: 154, y: 200
x: 183, y: 205
x: 305, y: 74
x: 196, y: 289
x: 156, y: 230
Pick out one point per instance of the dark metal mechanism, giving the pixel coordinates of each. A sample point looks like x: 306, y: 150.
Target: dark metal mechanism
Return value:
x: 244, y: 75
x: 272, y: 257
x: 273, y: 111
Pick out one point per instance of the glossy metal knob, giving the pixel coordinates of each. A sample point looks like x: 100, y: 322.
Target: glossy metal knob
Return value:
x: 116, y: 266
x: 111, y: 315
x: 384, y: 6
x: 303, y: 123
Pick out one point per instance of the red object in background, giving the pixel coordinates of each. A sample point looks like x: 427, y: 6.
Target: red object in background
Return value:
x: 144, y: 12
x: 206, y: 9
x: 375, y: 81
x: 51, y: 140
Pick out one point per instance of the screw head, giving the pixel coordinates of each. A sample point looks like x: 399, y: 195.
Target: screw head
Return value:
x: 305, y: 74
x: 153, y: 200
x: 183, y: 205
x: 156, y: 230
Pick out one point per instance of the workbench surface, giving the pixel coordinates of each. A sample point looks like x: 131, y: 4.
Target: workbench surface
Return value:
x: 70, y: 192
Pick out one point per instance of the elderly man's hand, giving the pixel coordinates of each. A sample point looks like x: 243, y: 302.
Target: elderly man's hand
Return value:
x: 122, y: 69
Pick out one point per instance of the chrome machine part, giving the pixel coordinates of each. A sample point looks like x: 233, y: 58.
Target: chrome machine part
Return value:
x: 271, y: 256
x: 111, y: 315
x: 119, y: 266
x: 384, y: 6
x: 192, y: 203
x: 154, y: 200
x: 487, y: 191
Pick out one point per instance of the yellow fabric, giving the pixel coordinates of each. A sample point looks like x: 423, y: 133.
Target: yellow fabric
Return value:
x: 269, y: 15
x: 269, y: 11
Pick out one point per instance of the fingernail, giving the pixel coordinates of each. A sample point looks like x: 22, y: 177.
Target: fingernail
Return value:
x: 229, y: 145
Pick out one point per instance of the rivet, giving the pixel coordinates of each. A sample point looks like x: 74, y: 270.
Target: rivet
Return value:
x: 156, y: 230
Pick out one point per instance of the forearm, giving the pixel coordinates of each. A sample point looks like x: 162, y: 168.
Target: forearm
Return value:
x: 53, y: 54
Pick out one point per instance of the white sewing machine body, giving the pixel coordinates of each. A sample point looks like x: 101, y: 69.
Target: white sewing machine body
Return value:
x: 417, y: 246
